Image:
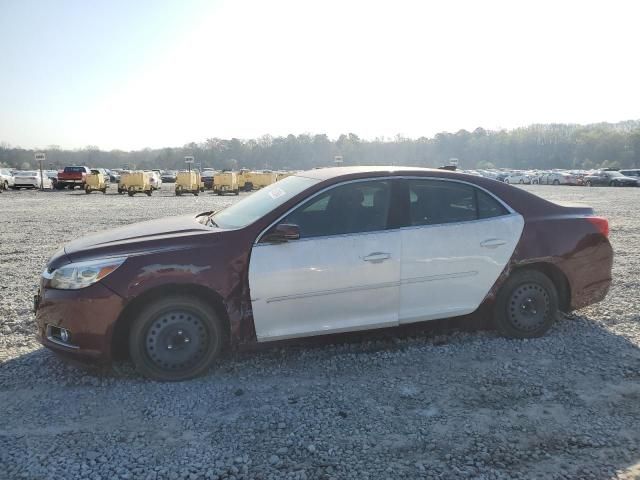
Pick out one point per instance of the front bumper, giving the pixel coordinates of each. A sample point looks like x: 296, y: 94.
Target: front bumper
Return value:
x: 89, y: 314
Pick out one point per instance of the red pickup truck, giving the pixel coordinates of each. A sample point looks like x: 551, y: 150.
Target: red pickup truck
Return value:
x: 72, y: 177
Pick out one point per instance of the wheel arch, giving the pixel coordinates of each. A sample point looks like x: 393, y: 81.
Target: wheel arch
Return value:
x: 557, y: 276
x: 122, y: 327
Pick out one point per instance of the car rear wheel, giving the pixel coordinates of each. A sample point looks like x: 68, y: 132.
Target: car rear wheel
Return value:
x: 526, y: 306
x: 556, y: 182
x: 176, y: 338
x: 506, y: 180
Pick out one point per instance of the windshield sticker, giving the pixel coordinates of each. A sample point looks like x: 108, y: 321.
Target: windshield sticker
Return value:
x: 276, y: 192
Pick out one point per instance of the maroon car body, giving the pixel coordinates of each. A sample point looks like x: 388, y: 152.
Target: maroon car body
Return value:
x: 179, y: 254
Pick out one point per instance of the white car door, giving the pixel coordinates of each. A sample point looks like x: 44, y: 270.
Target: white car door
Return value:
x: 459, y: 241
x: 342, y: 274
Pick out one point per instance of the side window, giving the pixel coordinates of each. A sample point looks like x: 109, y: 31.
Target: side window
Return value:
x: 488, y: 206
x: 351, y: 208
x: 433, y: 202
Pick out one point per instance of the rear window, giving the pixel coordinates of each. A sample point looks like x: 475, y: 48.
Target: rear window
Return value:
x: 74, y: 169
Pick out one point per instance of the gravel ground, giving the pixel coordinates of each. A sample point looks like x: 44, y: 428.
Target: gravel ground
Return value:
x: 419, y: 405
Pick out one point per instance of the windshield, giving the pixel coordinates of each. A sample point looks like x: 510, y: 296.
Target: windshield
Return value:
x: 257, y: 205
x: 26, y: 174
x: 615, y: 174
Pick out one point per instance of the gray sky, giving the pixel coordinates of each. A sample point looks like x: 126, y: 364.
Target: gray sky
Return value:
x: 152, y: 73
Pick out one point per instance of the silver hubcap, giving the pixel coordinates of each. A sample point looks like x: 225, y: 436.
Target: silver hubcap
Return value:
x: 176, y: 340
x: 528, y: 307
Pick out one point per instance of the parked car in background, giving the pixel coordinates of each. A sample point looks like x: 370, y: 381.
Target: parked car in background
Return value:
x: 353, y: 248
x: 500, y: 176
x: 634, y: 172
x: 207, y: 178
x: 31, y: 179
x: 154, y: 179
x: 6, y: 179
x: 557, y: 178
x: 158, y: 175
x: 53, y: 175
x: 579, y: 175
x: 517, y: 177
x: 609, y: 178
x: 114, y: 176
x: 73, y: 176
x: 169, y: 176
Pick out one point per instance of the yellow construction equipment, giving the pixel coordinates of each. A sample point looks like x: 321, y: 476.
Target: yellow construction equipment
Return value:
x: 226, y: 182
x: 243, y: 183
x: 260, y: 179
x: 96, y: 182
x: 135, y: 181
x: 188, y: 182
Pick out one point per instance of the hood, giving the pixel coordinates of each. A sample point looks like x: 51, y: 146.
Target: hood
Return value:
x: 164, y: 234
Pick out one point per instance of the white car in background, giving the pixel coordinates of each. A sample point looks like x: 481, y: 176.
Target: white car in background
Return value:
x: 31, y: 179
x: 518, y: 177
x: 6, y: 179
x: 558, y: 178
x: 155, y: 179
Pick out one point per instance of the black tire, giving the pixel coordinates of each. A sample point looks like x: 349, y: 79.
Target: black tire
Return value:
x: 149, y: 193
x: 5, y: 185
x: 556, y: 182
x: 588, y: 183
x: 248, y: 187
x: 87, y: 191
x: 196, y: 193
x: 236, y: 192
x: 526, y: 306
x: 176, y: 338
x: 131, y: 194
x: 506, y: 180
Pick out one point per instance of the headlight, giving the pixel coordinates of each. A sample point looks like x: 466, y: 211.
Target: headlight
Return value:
x: 82, y: 274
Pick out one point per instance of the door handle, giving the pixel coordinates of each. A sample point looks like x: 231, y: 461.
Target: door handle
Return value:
x: 377, y: 257
x: 492, y: 243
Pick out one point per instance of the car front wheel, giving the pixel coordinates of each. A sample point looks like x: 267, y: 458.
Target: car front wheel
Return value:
x: 526, y: 306
x: 176, y: 338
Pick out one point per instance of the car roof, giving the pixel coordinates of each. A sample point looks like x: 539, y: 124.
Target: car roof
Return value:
x: 363, y: 171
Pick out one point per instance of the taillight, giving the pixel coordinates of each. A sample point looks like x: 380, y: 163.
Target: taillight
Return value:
x: 601, y: 223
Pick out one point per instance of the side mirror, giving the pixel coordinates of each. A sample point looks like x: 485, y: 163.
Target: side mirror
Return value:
x: 283, y: 232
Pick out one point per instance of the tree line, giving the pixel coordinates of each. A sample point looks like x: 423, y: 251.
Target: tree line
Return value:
x: 536, y: 146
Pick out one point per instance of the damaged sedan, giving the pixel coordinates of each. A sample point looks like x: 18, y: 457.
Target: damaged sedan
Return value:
x: 321, y: 252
